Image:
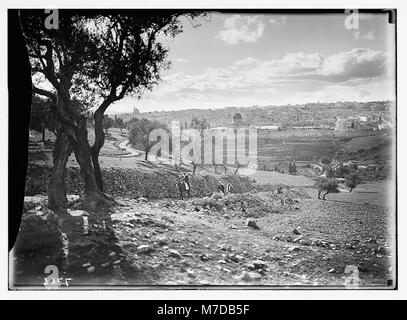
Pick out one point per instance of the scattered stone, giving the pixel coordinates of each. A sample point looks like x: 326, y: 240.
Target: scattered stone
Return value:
x: 332, y: 270
x: 251, y: 276
x: 221, y: 261
x: 117, y: 261
x: 305, y: 242
x: 174, y: 253
x: 252, y: 224
x: 259, y: 264
x: 112, y: 254
x: 371, y: 240
x: 144, y: 248
x: 142, y: 200
x: 295, y: 231
x: 191, y: 274
x: 381, y: 250
x: 76, y: 213
x: 250, y: 266
x: 204, y: 257
x: 315, y: 243
x: 288, y: 238
x: 294, y: 249
x: 162, y: 241
x: 225, y: 247
x: 91, y: 269
x: 236, y: 258
x: 85, y: 265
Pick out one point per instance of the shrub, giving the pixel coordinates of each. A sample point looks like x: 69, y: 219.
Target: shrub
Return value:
x: 326, y: 160
x: 341, y: 172
x: 352, y: 180
x: 329, y: 173
x: 327, y: 185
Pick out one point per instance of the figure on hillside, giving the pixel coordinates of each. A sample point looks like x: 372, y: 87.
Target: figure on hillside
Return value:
x: 184, y: 186
x: 187, y: 185
x: 229, y: 188
x: 221, y: 187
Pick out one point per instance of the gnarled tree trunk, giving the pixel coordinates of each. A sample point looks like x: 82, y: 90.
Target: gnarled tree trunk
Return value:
x: 97, y: 145
x: 56, y: 186
x: 78, y: 137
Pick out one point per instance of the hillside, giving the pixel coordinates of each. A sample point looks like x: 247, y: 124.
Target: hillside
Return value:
x: 300, y: 242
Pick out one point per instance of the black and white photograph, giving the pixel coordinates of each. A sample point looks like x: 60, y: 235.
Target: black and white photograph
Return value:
x: 206, y: 149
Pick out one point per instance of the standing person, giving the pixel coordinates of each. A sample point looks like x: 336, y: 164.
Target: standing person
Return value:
x: 187, y: 185
x: 221, y: 187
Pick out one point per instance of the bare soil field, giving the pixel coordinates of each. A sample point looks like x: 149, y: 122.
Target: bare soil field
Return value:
x: 171, y: 242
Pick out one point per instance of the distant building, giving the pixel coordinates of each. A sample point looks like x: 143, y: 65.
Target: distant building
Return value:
x: 219, y: 128
x: 343, y: 124
x: 269, y: 128
x: 238, y: 122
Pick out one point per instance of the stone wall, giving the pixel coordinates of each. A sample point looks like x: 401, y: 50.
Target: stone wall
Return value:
x: 154, y: 182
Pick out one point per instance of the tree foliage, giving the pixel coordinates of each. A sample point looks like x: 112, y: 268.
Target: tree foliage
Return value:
x: 41, y: 116
x: 139, y: 133
x: 352, y: 181
x: 97, y: 58
x: 292, y: 168
x: 325, y: 160
x: 108, y: 122
x: 327, y: 185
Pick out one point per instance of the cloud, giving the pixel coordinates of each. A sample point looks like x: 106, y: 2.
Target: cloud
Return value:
x: 356, y: 63
x: 242, y: 29
x: 342, y: 66
x: 360, y: 74
x: 294, y: 68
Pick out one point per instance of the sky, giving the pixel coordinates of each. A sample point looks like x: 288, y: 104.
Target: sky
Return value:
x: 241, y: 60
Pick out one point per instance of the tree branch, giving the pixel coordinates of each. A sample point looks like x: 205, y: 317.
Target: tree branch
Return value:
x: 45, y: 93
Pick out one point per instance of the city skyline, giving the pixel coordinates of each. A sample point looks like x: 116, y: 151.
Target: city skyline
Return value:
x: 241, y: 60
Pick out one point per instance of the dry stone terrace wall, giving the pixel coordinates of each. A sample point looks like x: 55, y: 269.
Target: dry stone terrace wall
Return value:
x: 134, y: 183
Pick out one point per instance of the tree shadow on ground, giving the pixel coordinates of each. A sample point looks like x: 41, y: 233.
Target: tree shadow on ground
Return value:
x: 89, y: 257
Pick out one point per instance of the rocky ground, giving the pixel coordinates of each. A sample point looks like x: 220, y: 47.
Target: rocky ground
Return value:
x: 259, y: 239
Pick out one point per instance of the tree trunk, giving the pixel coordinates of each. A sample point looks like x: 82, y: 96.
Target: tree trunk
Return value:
x: 319, y: 194
x: 194, y: 169
x: 325, y: 195
x: 98, y: 171
x: 78, y: 138
x: 56, y: 187
x: 74, y: 125
x: 146, y: 155
x: 43, y: 135
x: 350, y: 190
x: 97, y: 146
